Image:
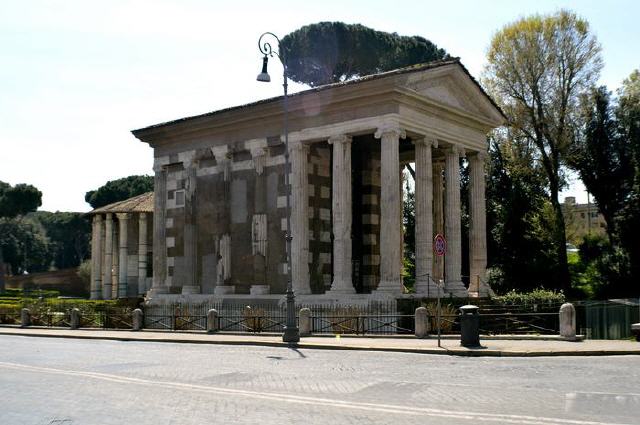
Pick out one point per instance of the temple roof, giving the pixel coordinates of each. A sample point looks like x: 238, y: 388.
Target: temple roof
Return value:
x: 137, y: 204
x: 405, y: 70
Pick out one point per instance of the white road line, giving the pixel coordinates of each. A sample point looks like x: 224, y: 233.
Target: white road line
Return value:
x: 290, y: 398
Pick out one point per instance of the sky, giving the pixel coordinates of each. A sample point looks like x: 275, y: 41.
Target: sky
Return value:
x: 77, y: 76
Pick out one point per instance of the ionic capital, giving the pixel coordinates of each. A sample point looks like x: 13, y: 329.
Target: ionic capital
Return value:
x: 481, y: 156
x: 456, y: 150
x: 299, y: 147
x: 390, y: 130
x: 340, y: 138
x: 428, y: 141
x: 123, y: 216
x: 97, y: 219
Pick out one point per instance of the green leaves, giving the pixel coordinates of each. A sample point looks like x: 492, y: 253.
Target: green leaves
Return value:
x: 330, y: 52
x: 119, y: 190
x: 19, y: 199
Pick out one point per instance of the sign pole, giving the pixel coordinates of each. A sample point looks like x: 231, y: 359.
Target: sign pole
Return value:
x: 440, y: 248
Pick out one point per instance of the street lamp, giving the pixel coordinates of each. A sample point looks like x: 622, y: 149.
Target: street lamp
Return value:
x: 291, y: 333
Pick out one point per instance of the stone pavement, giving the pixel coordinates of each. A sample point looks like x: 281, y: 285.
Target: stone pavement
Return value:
x: 516, y: 346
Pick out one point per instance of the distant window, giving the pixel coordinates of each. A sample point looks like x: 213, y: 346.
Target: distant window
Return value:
x: 179, y: 198
x: 581, y: 215
x: 594, y: 214
x: 602, y: 225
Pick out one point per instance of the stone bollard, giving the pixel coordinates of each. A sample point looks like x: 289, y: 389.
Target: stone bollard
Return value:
x: 75, y: 318
x: 568, y: 321
x: 25, y: 318
x: 137, y: 320
x: 305, y: 322
x: 212, y: 320
x: 422, y: 322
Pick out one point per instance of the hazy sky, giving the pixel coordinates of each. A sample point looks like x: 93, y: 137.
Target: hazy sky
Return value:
x: 77, y: 76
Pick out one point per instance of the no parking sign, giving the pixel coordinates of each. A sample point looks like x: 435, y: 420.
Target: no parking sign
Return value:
x: 439, y: 245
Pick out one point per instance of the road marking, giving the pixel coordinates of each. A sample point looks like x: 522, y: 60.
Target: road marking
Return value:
x: 290, y: 398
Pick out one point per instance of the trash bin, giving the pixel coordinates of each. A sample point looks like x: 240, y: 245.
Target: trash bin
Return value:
x: 469, y: 326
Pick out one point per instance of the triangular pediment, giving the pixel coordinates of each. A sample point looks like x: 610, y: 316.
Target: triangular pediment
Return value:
x: 454, y: 88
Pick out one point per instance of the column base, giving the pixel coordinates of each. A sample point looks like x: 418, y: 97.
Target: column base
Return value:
x: 190, y: 289
x: 259, y: 290
x: 96, y: 294
x: 107, y: 292
x: 157, y: 290
x: 456, y: 289
x: 388, y: 288
x: 428, y: 289
x: 339, y: 287
x: 224, y: 290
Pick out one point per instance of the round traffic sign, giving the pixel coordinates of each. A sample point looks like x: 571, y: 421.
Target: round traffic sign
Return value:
x: 439, y: 245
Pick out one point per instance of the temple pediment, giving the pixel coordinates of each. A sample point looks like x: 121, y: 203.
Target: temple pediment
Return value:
x: 451, y: 86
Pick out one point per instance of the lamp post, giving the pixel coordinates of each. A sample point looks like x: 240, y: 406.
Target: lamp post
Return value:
x: 291, y: 333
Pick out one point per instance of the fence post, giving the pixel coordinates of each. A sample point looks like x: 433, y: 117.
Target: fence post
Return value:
x: 137, y: 321
x: 212, y: 320
x: 567, y: 318
x: 25, y: 318
x: 305, y: 322
x: 422, y: 322
x: 75, y: 318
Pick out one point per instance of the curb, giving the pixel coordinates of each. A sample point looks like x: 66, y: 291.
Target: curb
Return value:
x: 482, y: 352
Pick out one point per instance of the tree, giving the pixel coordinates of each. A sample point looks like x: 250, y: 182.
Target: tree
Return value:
x: 119, y: 190
x: 602, y: 156
x: 628, y: 221
x: 520, y: 251
x: 18, y: 200
x: 68, y: 234
x: 538, y: 67
x: 24, y: 244
x: 14, y: 201
x: 330, y: 52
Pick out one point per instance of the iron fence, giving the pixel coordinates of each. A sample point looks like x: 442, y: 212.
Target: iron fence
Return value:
x: 595, y: 319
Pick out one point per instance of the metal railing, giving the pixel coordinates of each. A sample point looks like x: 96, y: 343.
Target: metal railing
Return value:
x: 364, y: 324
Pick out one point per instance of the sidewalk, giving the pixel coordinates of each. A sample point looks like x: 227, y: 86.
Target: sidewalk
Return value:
x: 490, y: 347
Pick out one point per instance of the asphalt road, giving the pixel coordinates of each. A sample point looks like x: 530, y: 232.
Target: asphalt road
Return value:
x: 66, y: 381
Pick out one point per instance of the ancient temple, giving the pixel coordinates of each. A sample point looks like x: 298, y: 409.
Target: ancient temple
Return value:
x: 121, y: 242
x: 219, y: 200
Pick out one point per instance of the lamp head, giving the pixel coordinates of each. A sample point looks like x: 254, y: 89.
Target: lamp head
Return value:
x: 264, y: 75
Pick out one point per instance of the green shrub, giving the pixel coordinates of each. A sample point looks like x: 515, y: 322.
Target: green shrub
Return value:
x: 538, y: 296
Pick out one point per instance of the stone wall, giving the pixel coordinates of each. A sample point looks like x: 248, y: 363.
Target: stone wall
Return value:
x: 320, y: 247
x: 237, y: 196
x: 366, y: 213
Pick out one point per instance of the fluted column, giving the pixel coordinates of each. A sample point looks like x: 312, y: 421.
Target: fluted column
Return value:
x: 438, y: 216
x: 390, y: 232
x: 123, y: 263
x: 142, y: 253
x: 108, y: 257
x: 299, y: 154
x: 424, y: 218
x: 158, y: 284
x: 477, y: 226
x: 342, y: 215
x: 115, y: 255
x: 453, y: 257
x: 96, y: 258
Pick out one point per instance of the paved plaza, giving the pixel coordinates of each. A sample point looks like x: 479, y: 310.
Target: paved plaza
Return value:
x: 75, y: 381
